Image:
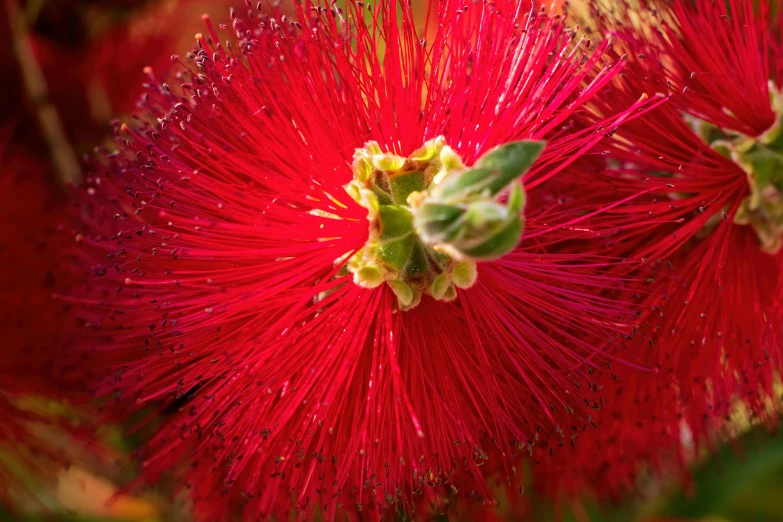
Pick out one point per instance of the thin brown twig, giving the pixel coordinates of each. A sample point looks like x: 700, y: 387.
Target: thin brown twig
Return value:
x: 64, y: 158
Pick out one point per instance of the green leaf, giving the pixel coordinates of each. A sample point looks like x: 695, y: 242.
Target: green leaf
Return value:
x: 434, y: 219
x: 500, y: 242
x: 767, y: 165
x: 742, y: 481
x: 395, y: 222
x: 403, y: 184
x: 460, y: 185
x: 516, y: 198
x: 512, y: 160
x: 417, y: 264
x: 395, y: 253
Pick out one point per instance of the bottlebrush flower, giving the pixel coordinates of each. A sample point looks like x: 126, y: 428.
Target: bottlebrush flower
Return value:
x: 287, y: 258
x: 710, y: 163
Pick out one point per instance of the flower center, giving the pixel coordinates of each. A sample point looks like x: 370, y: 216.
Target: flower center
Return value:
x: 761, y: 157
x: 432, y: 219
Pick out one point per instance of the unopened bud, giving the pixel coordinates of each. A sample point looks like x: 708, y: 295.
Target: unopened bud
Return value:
x: 462, y: 214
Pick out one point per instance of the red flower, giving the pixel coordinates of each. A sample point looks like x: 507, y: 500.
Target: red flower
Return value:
x: 707, y: 165
x: 220, y: 242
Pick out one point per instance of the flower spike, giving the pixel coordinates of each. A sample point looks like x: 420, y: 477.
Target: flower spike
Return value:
x: 280, y: 256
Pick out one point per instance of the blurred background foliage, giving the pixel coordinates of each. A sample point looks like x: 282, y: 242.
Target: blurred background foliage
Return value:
x: 68, y: 67
x: 741, y: 481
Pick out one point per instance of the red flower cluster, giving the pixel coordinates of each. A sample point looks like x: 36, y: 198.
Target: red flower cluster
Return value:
x: 226, y: 241
x: 709, y: 162
x: 305, y: 252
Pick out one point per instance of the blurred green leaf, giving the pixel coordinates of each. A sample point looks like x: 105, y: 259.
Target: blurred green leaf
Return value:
x: 742, y: 482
